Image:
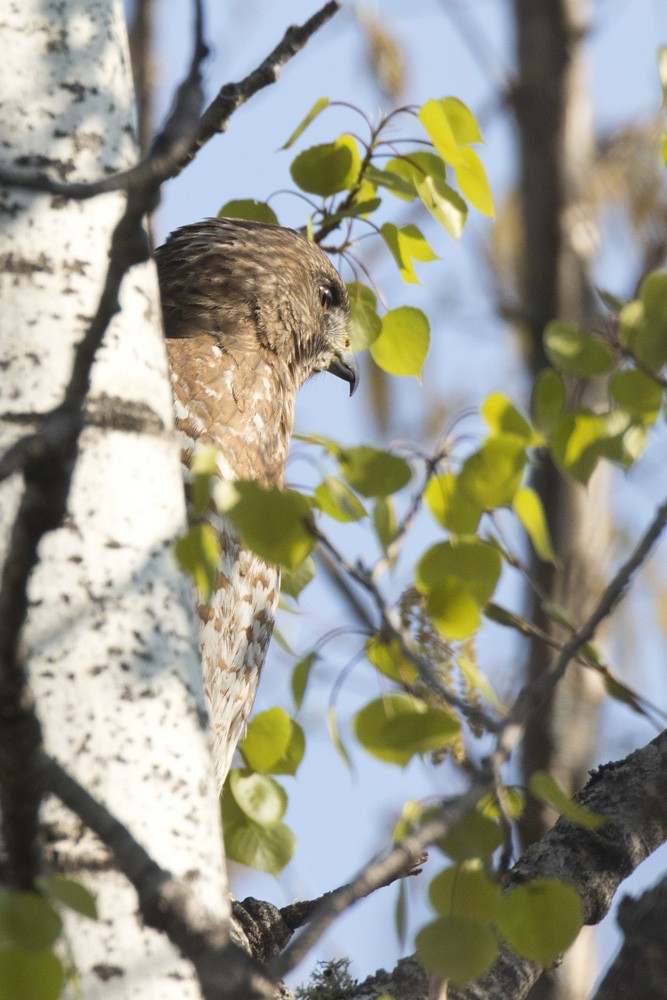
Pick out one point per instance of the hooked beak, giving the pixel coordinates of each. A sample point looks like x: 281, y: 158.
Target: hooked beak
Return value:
x: 344, y: 365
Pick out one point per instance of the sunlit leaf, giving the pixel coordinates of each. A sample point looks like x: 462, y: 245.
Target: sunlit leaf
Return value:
x: 384, y: 521
x: 293, y: 581
x: 492, y: 474
x: 318, y: 107
x: 247, y: 208
x: 390, y: 660
x: 527, y: 506
x: 28, y: 976
x: 258, y: 796
x: 451, y: 506
x: 548, y: 399
x: 198, y: 553
x: 637, y: 393
x: 274, y: 523
x: 365, y: 325
x: 456, y: 949
x: 502, y: 417
x: 443, y: 202
x: 267, y: 849
x: 326, y: 169
x: 476, y: 836
x: 337, y: 500
x: 273, y: 743
x: 403, y: 342
x: 457, y: 581
x: 577, y: 441
x: 544, y: 788
x: 372, y: 472
x: 540, y: 919
x: 407, y: 244
x: 398, y: 727
x: 473, y: 182
x: 465, y: 891
x: 575, y: 352
x: 69, y: 893
x: 301, y: 676
x: 27, y: 921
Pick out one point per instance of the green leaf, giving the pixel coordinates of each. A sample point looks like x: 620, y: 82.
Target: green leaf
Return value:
x: 389, y: 659
x: 436, y: 122
x: 457, y: 581
x: 413, y: 166
x: 328, y: 168
x: 27, y: 921
x: 545, y: 789
x: 476, y: 836
x: 540, y: 919
x: 477, y: 680
x: 398, y: 727
x: 577, y: 443
x: 398, y: 182
x: 273, y: 743
x: 403, y: 342
x: 401, y: 914
x: 247, y: 208
x: 527, y: 506
x: 69, y: 893
x: 338, y: 501
x: 548, y: 400
x: 258, y: 796
x: 473, y: 182
x: 450, y: 505
x: 273, y: 523
x: 502, y: 417
x: 638, y: 394
x: 462, y: 122
x: 28, y: 976
x: 442, y: 201
x: 301, y: 676
x: 198, y: 553
x: 268, y: 849
x: 575, y: 352
x: 318, y: 107
x: 372, y: 472
x: 513, y: 804
x: 293, y: 581
x: 407, y: 244
x: 334, y: 736
x: 456, y: 949
x: 365, y: 325
x: 492, y: 474
x: 465, y: 891
x: 384, y: 521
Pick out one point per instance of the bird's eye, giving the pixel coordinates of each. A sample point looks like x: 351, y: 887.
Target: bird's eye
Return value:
x: 326, y: 297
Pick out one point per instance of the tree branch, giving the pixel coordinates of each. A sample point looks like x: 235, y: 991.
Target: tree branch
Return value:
x: 179, y: 142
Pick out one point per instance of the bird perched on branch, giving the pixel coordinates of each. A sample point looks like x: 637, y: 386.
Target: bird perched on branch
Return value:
x: 250, y: 312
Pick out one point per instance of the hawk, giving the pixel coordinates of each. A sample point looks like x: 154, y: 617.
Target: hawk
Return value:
x: 250, y: 312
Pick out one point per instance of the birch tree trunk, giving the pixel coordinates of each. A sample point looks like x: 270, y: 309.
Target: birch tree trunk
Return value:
x: 111, y: 640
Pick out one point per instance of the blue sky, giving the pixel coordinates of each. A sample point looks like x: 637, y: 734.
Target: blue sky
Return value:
x: 342, y: 818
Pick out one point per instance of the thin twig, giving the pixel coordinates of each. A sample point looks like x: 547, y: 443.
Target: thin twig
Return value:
x: 377, y: 873
x: 534, y: 695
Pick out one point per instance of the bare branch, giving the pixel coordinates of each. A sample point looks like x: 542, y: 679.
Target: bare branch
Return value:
x: 533, y: 695
x: 179, y: 142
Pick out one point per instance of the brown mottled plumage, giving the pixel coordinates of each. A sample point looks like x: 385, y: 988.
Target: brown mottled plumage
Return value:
x: 250, y: 312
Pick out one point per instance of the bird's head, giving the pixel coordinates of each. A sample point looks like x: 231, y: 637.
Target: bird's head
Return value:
x: 258, y: 289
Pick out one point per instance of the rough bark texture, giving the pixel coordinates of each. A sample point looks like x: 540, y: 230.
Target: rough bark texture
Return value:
x: 559, y: 240
x: 640, y: 969
x: 111, y: 640
x: 632, y: 793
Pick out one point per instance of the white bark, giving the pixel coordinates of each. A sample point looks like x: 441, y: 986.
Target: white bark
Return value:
x: 111, y: 636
